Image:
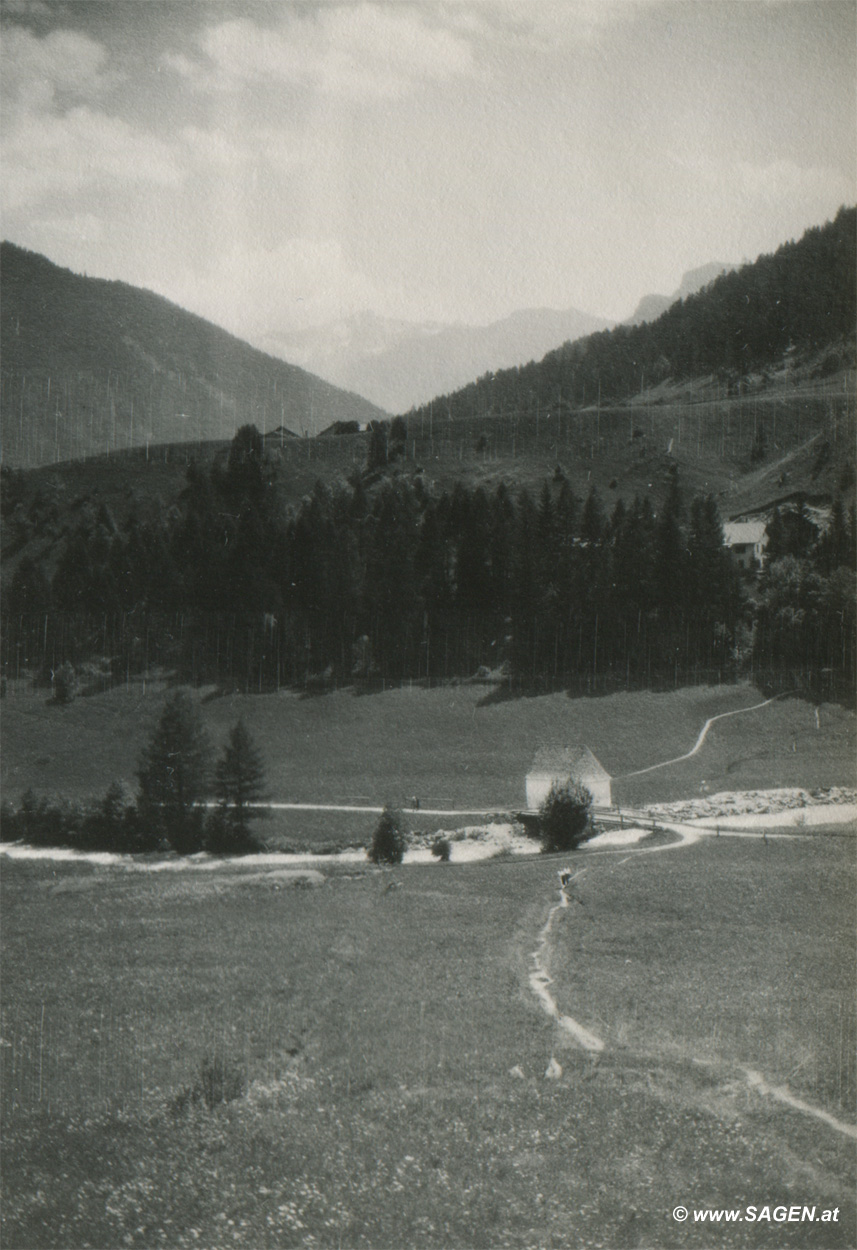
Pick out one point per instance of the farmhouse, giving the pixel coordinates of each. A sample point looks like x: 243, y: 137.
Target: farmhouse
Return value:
x: 561, y: 764
x: 746, y: 541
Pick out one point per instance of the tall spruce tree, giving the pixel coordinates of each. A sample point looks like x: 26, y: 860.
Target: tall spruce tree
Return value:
x: 239, y: 787
x: 174, y: 775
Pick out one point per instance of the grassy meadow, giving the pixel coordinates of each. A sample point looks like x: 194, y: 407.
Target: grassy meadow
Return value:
x: 464, y: 746
x: 732, y: 951
x: 233, y: 1058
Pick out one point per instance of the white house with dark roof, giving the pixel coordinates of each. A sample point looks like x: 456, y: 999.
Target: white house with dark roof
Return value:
x: 562, y: 764
x: 746, y: 541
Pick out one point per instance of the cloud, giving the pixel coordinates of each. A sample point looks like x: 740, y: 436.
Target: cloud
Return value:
x: 57, y: 139
x: 27, y: 10
x: 78, y: 229
x: 64, y: 63
x: 46, y: 155
x: 364, y: 51
x: 255, y: 290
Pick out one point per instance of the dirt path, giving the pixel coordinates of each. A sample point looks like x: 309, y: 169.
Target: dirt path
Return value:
x: 356, y: 807
x: 703, y: 734
x: 540, y: 979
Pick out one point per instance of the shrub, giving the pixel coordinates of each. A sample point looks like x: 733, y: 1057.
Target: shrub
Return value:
x: 8, y: 822
x: 442, y: 850
x: 43, y: 822
x: 113, y: 824
x: 65, y: 683
x: 564, y: 817
x: 388, y: 840
x: 220, y: 1080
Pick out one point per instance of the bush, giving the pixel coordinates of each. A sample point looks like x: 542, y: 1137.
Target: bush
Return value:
x: 388, y: 840
x: 220, y: 1080
x: 111, y: 824
x: 42, y: 822
x: 564, y: 817
x: 65, y: 683
x: 442, y: 850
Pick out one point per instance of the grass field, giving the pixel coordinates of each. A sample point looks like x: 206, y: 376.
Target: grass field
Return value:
x: 710, y: 957
x: 455, y: 746
x: 371, y: 1032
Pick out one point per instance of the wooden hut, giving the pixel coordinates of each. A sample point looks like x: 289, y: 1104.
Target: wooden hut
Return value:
x: 562, y: 764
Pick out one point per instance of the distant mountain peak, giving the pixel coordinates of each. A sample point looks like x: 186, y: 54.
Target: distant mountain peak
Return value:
x: 650, y: 307
x: 399, y: 364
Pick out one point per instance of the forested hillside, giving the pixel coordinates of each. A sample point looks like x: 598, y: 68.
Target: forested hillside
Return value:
x: 381, y: 579
x: 796, y: 302
x: 552, y: 544
x: 90, y: 366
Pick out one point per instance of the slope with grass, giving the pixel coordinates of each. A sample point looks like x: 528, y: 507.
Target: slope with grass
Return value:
x: 463, y: 746
x: 621, y: 452
x: 732, y: 954
x: 215, y: 1059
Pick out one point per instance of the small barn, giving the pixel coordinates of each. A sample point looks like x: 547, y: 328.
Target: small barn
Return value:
x: 561, y: 764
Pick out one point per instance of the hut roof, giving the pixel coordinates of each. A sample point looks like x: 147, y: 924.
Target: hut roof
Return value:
x: 568, y: 760
x: 735, y: 532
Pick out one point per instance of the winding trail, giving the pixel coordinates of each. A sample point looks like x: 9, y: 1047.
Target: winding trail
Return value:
x: 703, y: 734
x: 540, y: 979
x: 784, y: 1095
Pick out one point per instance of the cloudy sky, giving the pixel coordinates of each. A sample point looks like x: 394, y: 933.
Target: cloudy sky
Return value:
x: 274, y: 165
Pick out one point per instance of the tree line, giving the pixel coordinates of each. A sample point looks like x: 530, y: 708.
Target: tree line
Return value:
x: 378, y: 579
x: 184, y: 803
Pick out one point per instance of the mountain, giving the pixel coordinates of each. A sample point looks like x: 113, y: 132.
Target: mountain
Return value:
x: 90, y: 366
x: 337, y: 345
x: 399, y: 364
x: 795, y: 306
x: 650, y: 307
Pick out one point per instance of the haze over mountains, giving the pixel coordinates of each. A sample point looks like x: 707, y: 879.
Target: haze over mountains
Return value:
x: 401, y: 364
x: 90, y: 366
x: 398, y: 364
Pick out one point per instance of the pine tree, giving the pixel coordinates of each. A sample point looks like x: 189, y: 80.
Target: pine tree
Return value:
x: 239, y: 787
x: 173, y: 775
x: 671, y: 556
x: 244, y: 473
x: 592, y: 520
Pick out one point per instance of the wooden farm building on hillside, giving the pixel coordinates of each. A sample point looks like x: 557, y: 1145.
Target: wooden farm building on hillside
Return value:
x: 562, y: 764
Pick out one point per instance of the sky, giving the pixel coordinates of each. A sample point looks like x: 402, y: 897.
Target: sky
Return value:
x: 275, y: 166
